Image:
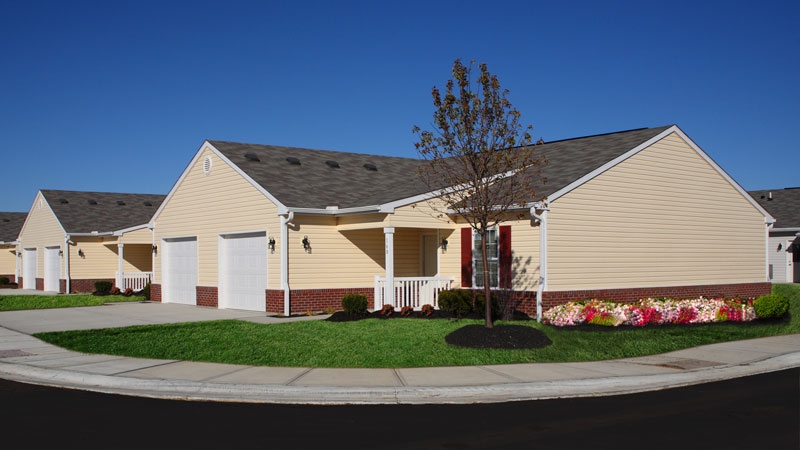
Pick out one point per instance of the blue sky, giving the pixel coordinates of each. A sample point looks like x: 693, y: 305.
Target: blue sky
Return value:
x: 117, y: 96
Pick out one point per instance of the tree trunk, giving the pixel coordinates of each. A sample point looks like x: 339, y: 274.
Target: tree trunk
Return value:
x: 487, y: 289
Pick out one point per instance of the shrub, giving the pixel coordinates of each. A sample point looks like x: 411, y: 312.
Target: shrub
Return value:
x: 771, y: 306
x: 480, y: 305
x: 3, y: 280
x: 355, y: 304
x: 128, y: 292
x: 456, y: 301
x: 146, y: 291
x: 102, y: 287
x: 387, y: 310
x: 115, y: 291
x: 427, y: 310
x: 406, y: 311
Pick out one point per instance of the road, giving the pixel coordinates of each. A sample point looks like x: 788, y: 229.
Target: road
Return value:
x: 758, y: 412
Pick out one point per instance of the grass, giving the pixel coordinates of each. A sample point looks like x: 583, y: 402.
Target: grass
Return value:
x: 20, y: 302
x: 375, y: 343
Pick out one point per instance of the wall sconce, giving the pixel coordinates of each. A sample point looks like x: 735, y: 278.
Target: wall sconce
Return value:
x: 444, y: 244
x: 780, y: 246
x: 155, y: 249
x: 306, y: 244
x: 271, y: 244
x: 80, y: 253
x: 60, y: 252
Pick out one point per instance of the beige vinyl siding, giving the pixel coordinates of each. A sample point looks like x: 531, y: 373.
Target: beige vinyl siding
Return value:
x: 664, y: 217
x: 8, y: 261
x: 221, y: 202
x: 450, y: 259
x: 140, y: 236
x: 137, y: 258
x: 422, y: 214
x: 524, y: 254
x: 41, y: 229
x: 100, y: 258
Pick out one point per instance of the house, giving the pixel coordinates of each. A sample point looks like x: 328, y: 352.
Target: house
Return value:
x: 70, y: 239
x: 784, y: 236
x: 625, y: 215
x: 10, y: 225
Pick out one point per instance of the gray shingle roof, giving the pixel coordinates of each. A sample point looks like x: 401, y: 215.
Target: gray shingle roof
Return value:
x: 314, y: 184
x: 10, y: 225
x: 85, y: 212
x: 784, y: 206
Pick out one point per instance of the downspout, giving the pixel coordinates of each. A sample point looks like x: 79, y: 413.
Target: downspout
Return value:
x: 285, y: 260
x: 766, y: 251
x: 66, y: 263
x: 544, y: 207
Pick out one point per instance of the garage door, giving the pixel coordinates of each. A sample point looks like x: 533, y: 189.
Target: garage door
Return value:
x: 29, y: 268
x: 179, y: 271
x: 52, y: 269
x: 243, y: 271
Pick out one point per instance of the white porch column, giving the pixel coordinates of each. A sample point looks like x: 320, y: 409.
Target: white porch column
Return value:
x: 120, y: 274
x: 388, y: 292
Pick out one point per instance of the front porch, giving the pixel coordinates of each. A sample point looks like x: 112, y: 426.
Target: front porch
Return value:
x: 410, y: 291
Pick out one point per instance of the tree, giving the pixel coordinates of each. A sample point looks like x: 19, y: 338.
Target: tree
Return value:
x: 479, y: 159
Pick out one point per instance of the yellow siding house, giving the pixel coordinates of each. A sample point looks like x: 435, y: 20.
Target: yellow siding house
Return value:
x: 10, y: 225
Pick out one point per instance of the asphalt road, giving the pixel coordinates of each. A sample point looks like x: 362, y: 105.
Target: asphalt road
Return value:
x: 758, y: 412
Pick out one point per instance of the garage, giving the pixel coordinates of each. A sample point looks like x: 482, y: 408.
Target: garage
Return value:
x: 29, y: 268
x: 243, y: 271
x: 52, y: 269
x: 179, y: 259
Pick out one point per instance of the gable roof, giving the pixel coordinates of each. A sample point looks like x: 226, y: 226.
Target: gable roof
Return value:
x: 314, y: 183
x: 782, y: 204
x: 103, y: 212
x: 10, y: 226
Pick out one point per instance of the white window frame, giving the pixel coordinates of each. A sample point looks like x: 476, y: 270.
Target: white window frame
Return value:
x: 476, y: 258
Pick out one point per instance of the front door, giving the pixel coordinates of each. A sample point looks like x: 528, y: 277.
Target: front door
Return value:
x: 52, y: 269
x: 430, y: 255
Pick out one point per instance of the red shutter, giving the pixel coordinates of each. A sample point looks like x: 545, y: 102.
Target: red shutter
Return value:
x: 466, y: 257
x: 505, y: 257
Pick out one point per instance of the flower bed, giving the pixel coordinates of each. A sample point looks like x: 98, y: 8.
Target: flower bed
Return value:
x: 650, y: 312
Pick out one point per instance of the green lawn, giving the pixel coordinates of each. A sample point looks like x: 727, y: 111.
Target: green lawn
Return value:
x: 398, y: 342
x: 19, y: 302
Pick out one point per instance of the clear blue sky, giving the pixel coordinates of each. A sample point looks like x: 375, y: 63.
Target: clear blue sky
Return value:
x: 118, y: 96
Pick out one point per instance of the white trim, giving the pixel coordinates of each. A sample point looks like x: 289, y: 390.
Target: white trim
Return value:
x: 129, y: 229
x: 388, y: 295
x: 335, y: 212
x: 185, y: 173
x: 784, y: 230
x: 496, y: 229
x: 41, y: 200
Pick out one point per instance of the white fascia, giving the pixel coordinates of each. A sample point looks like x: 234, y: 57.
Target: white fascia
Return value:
x: 331, y: 211
x: 281, y: 208
x: 93, y: 234
x: 785, y: 230
x: 129, y: 229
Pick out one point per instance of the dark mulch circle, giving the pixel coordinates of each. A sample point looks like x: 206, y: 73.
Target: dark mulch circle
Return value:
x: 499, y: 336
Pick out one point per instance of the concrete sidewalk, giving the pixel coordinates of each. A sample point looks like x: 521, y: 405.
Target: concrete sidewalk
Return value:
x: 26, y: 359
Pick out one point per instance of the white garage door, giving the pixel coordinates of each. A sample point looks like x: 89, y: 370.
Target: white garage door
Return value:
x: 29, y: 268
x: 179, y: 271
x: 52, y: 269
x: 243, y: 271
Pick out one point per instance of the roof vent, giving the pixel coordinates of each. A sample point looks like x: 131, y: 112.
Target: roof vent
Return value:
x: 6, y: 220
x: 332, y: 163
x: 293, y: 161
x: 370, y: 166
x: 92, y: 202
x: 120, y: 203
x: 769, y: 196
x: 63, y: 201
x: 147, y: 204
x: 251, y: 157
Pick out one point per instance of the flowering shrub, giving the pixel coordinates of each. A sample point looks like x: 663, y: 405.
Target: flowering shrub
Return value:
x: 387, y: 310
x: 406, y: 311
x: 650, y: 311
x: 427, y: 310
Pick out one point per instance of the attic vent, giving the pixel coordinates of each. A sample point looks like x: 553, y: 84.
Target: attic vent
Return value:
x: 120, y: 203
x: 63, y: 201
x: 251, y: 157
x: 332, y: 163
x: 147, y: 204
x: 6, y: 220
x: 370, y: 166
x: 293, y: 161
x: 207, y: 165
x: 92, y: 202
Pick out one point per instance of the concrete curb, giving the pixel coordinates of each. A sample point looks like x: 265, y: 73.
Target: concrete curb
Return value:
x: 407, y: 395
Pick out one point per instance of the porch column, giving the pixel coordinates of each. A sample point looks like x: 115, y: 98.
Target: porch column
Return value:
x: 388, y: 288
x: 120, y: 274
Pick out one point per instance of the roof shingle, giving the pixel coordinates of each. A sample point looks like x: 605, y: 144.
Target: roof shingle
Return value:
x: 784, y: 205
x: 85, y: 212
x: 10, y: 225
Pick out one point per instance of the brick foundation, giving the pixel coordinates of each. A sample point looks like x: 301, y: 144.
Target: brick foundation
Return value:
x: 205, y: 296
x: 40, y: 284
x: 314, y: 300
x: 155, y: 292
x: 82, y: 286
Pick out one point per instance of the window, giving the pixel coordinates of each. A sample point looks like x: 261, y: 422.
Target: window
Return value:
x: 492, y: 256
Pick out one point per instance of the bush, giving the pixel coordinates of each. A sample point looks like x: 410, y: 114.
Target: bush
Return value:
x: 355, y: 304
x: 102, y: 287
x: 145, y: 291
x: 387, y: 310
x: 3, y: 280
x: 406, y: 311
x: 480, y: 305
x: 456, y: 301
x: 771, y: 306
x: 114, y: 291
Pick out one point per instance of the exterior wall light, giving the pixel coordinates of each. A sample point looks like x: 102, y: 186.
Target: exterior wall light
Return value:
x: 80, y: 253
x: 271, y: 244
x: 306, y: 244
x: 155, y: 249
x: 444, y: 244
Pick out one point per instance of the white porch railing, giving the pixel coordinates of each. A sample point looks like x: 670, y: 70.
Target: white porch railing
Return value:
x: 135, y: 280
x: 412, y: 291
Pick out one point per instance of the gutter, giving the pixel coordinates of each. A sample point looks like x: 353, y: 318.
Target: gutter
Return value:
x: 544, y: 207
x: 67, y: 278
x: 333, y: 210
x: 285, y: 260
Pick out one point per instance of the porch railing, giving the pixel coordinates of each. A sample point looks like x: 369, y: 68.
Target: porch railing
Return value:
x: 412, y: 291
x: 135, y: 280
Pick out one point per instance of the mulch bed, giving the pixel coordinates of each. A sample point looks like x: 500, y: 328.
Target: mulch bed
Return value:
x: 469, y: 336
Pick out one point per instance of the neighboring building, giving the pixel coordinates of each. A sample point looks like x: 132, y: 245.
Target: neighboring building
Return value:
x: 71, y: 239
x: 784, y: 236
x: 10, y: 226
x: 626, y: 215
